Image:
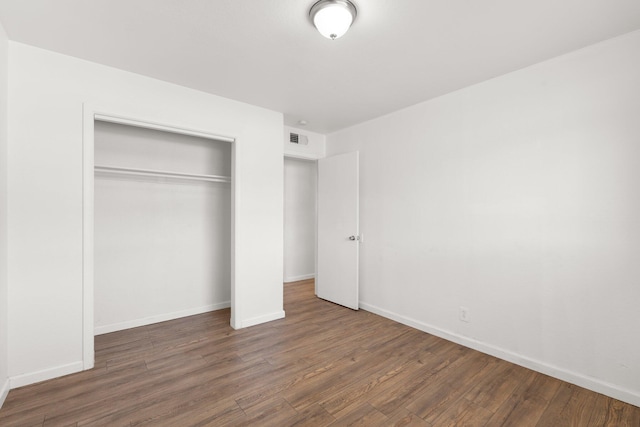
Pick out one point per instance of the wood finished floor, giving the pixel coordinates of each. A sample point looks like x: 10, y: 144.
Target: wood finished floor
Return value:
x: 322, y: 365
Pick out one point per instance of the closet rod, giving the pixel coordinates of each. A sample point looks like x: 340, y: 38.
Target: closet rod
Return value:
x: 158, y: 173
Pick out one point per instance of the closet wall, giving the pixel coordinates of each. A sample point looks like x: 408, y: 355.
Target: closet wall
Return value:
x: 162, y: 245
x: 48, y: 94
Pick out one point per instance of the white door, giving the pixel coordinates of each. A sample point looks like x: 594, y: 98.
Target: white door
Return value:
x: 338, y: 229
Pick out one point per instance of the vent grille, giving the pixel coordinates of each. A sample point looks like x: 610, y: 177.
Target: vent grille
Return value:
x: 296, y: 138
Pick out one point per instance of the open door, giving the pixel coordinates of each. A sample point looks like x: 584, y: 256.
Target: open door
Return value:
x: 338, y: 229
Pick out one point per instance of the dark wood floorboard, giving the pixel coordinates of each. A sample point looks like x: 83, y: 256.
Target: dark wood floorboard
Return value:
x: 324, y: 365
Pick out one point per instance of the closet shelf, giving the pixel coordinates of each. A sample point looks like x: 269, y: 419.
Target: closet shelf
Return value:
x: 159, y: 173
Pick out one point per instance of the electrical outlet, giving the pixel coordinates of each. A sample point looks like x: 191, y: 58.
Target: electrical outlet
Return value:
x: 464, y: 314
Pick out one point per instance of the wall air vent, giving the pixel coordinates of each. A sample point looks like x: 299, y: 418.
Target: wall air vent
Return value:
x: 295, y: 138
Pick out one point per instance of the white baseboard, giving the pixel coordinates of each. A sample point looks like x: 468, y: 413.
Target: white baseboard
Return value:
x: 298, y: 278
x: 599, y: 386
x: 4, y: 391
x: 261, y: 319
x: 105, y: 329
x: 45, y: 374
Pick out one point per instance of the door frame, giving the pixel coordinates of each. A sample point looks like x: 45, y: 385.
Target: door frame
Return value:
x: 91, y: 113
x: 311, y: 159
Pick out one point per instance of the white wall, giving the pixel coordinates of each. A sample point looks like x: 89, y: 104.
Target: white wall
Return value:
x: 519, y: 199
x: 162, y: 246
x: 4, y: 350
x: 315, y: 148
x: 46, y: 95
x: 299, y: 219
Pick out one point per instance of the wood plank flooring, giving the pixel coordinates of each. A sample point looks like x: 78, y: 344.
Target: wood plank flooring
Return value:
x: 322, y: 365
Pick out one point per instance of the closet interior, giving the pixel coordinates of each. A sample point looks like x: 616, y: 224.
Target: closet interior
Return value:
x: 162, y: 226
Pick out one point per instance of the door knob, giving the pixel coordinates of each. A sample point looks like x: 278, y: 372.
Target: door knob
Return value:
x: 353, y: 238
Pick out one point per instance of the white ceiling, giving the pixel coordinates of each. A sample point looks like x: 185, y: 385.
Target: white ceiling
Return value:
x: 267, y: 53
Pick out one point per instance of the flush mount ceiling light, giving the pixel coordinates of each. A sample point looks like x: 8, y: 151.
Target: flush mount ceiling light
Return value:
x: 333, y: 18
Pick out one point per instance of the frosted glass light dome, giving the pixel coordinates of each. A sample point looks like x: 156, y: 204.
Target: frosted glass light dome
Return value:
x: 333, y: 18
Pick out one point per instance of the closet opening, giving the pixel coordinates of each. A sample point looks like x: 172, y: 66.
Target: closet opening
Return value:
x: 159, y: 228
